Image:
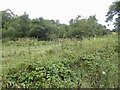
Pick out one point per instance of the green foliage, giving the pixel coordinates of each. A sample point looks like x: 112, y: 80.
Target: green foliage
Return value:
x: 37, y: 75
x: 114, y: 11
x: 86, y: 28
x: 63, y: 63
x: 44, y: 29
x: 37, y: 31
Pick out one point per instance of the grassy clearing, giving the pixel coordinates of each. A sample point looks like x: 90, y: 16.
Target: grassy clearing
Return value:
x: 86, y: 63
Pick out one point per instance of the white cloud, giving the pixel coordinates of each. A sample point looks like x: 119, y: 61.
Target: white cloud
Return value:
x: 64, y: 10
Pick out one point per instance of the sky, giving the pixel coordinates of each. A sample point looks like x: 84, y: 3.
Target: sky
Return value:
x: 62, y: 10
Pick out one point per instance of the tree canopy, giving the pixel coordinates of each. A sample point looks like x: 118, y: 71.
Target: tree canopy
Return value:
x: 114, y: 11
x: 14, y: 26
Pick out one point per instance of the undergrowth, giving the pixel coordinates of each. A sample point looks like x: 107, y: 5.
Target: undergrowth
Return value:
x: 68, y: 63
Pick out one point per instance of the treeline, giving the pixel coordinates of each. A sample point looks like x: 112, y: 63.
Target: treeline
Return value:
x: 14, y: 26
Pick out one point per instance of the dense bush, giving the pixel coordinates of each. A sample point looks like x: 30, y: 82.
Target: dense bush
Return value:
x: 22, y: 26
x: 37, y: 75
x: 86, y: 28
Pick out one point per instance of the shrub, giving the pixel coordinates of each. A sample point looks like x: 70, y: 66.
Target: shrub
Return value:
x: 52, y: 75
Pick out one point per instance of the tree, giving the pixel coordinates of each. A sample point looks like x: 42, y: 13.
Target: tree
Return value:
x: 25, y: 24
x: 37, y: 31
x: 88, y: 27
x: 7, y: 15
x: 14, y: 26
x: 114, y: 10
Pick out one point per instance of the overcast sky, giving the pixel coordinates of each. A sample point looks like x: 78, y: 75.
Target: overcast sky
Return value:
x: 62, y: 10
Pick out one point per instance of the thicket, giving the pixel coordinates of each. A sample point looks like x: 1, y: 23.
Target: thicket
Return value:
x: 14, y: 26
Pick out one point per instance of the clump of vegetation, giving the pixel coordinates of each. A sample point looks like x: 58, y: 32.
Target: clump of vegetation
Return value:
x: 37, y: 75
x: 39, y: 53
x: 70, y: 64
x: 14, y: 27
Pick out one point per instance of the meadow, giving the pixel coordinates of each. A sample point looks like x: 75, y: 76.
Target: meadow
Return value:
x: 61, y: 63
